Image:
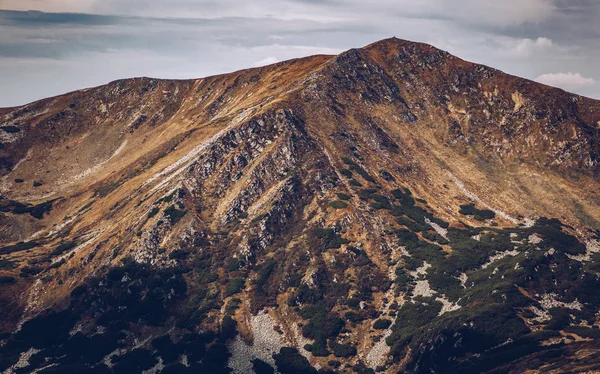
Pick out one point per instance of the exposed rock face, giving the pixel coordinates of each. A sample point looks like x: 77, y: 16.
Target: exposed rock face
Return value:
x: 393, y: 208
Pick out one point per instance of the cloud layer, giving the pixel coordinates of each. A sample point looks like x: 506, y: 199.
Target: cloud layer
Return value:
x: 71, y: 44
x: 568, y: 81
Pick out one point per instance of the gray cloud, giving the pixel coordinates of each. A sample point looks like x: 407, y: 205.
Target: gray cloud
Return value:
x: 45, y: 53
x: 567, y: 81
x: 506, y: 12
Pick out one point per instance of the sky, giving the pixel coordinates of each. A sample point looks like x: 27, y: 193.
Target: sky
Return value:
x: 50, y: 47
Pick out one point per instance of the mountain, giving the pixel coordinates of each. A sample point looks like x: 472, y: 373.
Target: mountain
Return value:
x: 390, y: 209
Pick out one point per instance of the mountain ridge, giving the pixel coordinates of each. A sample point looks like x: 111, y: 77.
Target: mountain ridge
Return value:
x: 371, y: 46
x: 318, y: 197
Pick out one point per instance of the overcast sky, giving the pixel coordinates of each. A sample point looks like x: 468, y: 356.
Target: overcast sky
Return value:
x: 49, y: 47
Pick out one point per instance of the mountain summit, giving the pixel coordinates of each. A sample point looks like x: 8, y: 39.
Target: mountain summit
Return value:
x: 390, y: 209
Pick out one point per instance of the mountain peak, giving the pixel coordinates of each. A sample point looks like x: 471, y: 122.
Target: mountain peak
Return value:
x: 395, y: 46
x: 397, y: 43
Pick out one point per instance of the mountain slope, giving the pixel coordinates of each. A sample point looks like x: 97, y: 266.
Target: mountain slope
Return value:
x: 390, y: 199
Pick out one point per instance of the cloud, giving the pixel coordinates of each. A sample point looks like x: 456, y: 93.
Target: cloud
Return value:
x: 72, y: 6
x: 567, y: 81
x: 498, y: 13
x: 525, y: 47
x: 495, y: 50
x: 266, y: 61
x: 43, y: 54
x: 494, y: 12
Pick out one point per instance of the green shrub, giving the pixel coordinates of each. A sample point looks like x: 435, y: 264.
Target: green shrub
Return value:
x: 346, y: 173
x: 10, y: 129
x: 353, y: 166
x: 234, y: 264
x: 228, y: 328
x: 338, y: 204
x: 382, y: 324
x: 168, y: 351
x: 363, y: 173
x: 353, y: 302
x: 21, y: 209
x: 329, y: 238
x: 57, y: 264
x: 479, y: 215
x: 560, y: 319
x: 7, y: 264
x: 467, y: 209
x: 485, y: 214
x: 386, y: 175
x: 234, y: 286
x: 380, y: 198
x: 348, y: 161
x: 354, y: 317
x: 413, y: 263
x: 154, y: 211
x: 432, y: 236
x: 528, y: 314
x: 555, y: 238
x: 407, y: 238
x: 343, y: 196
x: 263, y: 273
x: 416, y: 213
x: 30, y: 270
x: 404, y: 196
x: 322, y: 325
x: 40, y: 210
x: 36, y: 211
x: 440, y: 222
x: 342, y: 350
x: 355, y: 183
x: 318, y: 349
x: 21, y: 246
x: 380, y: 202
x: 361, y: 368
x: 366, y: 193
x: 179, y: 254
x: 402, y: 279
x: 290, y: 361
x: 64, y: 247
x: 167, y: 199
x: 411, y: 317
x: 137, y: 360
x: 412, y: 225
x: 446, y: 284
x: 261, y: 367
x: 19, y: 180
x: 174, y: 214
x: 7, y: 280
x: 426, y: 252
